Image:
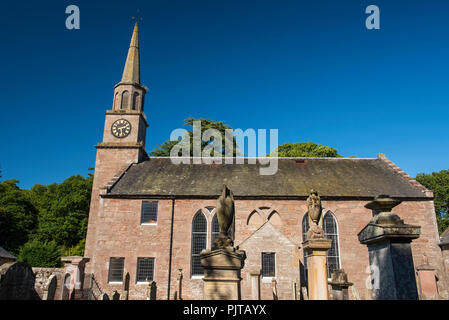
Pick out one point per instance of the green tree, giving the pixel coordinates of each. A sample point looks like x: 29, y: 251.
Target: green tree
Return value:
x: 307, y: 150
x: 18, y: 216
x: 77, y: 250
x: 438, y: 182
x: 41, y: 254
x: 164, y: 149
x: 63, y: 210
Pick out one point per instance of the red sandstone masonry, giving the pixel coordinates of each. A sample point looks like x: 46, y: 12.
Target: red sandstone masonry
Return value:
x: 120, y: 234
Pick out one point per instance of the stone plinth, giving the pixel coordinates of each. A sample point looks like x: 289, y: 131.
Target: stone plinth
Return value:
x: 340, y: 285
x: 222, y: 273
x: 316, y: 250
x: 390, y: 253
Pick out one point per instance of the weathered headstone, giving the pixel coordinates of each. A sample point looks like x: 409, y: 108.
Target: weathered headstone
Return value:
x: 115, y: 295
x: 152, y: 290
x: 50, y: 290
x: 427, y: 280
x: 178, y: 292
x: 339, y: 284
x: 125, y: 288
x: 17, y: 282
x: 274, y: 289
x: 222, y: 265
x: 390, y: 254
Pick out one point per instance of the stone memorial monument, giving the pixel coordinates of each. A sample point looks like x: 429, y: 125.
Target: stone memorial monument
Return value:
x: 339, y: 284
x: 223, y: 263
x: 427, y: 280
x: 316, y: 246
x: 17, y: 282
x: 125, y: 288
x: 390, y: 254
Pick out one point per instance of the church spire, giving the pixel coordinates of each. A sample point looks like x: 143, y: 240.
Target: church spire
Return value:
x: 131, y: 72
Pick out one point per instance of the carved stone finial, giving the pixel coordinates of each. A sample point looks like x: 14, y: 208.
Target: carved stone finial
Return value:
x: 225, y: 215
x: 315, y: 216
x: 383, y: 205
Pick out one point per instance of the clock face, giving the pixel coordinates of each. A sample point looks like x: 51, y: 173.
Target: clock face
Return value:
x: 121, y: 128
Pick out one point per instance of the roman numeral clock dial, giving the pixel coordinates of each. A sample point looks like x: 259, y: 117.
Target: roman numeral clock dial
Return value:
x: 121, y: 128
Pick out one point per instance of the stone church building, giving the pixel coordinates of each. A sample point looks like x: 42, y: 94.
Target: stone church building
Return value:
x: 151, y: 218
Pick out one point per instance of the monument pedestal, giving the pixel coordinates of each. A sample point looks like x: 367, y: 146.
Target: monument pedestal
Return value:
x: 222, y: 273
x: 390, y: 253
x: 316, y: 250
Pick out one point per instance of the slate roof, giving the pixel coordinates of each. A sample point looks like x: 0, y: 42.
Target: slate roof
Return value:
x: 331, y: 177
x: 6, y: 254
x: 444, y: 238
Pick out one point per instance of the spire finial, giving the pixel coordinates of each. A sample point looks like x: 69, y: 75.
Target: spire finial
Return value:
x: 137, y: 17
x: 131, y: 72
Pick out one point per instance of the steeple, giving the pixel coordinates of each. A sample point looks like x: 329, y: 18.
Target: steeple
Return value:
x: 131, y: 72
x: 129, y: 93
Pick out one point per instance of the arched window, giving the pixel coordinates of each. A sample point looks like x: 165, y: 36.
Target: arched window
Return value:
x: 135, y: 100
x: 215, y: 230
x: 116, y: 100
x: 125, y: 100
x: 199, y: 241
x: 331, y: 232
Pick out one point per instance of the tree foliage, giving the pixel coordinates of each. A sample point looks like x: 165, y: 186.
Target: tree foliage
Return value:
x: 164, y: 149
x: 39, y: 224
x: 438, y: 182
x: 77, y: 250
x: 18, y: 216
x: 63, y: 210
x: 41, y: 254
x: 307, y: 150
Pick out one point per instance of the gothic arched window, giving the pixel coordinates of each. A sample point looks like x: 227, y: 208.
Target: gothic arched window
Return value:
x: 116, y: 100
x: 199, y: 241
x: 135, y: 100
x: 125, y: 100
x: 331, y: 232
x: 215, y: 230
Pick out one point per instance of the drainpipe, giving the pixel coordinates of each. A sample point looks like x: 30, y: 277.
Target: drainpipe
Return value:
x: 171, y: 247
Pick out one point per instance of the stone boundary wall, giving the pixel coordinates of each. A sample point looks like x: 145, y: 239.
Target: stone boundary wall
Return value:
x: 43, y: 276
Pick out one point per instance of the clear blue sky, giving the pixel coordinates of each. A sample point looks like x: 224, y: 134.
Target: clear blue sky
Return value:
x: 308, y: 68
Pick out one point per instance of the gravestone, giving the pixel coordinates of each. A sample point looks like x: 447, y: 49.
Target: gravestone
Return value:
x: 125, y: 288
x: 339, y: 284
x: 17, y: 282
x: 388, y: 240
x: 152, y: 290
x: 115, y: 295
x: 178, y: 293
x: 49, y: 292
x: 427, y: 280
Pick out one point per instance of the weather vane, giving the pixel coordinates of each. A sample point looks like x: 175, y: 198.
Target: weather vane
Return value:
x: 137, y: 17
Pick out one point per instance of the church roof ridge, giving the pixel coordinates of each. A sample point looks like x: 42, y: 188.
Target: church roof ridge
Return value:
x: 365, y: 178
